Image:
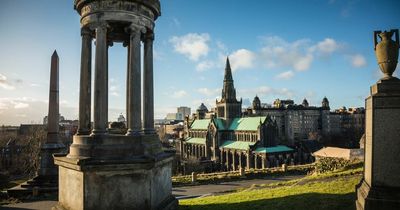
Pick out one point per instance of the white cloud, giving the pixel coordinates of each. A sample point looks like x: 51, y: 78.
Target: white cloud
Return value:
x: 179, y: 94
x: 303, y: 63
x: 358, y: 61
x: 204, y: 65
x: 279, y: 53
x: 285, y: 75
x: 114, y: 87
x: 242, y: 59
x: 191, y: 45
x: 298, y: 54
x: 209, y: 92
x: 4, y: 83
x: 265, y: 90
x: 19, y: 105
x: 327, y: 46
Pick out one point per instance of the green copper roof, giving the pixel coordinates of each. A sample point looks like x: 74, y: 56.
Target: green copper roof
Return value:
x: 279, y: 148
x: 191, y: 140
x: 200, y: 124
x: 220, y: 124
x: 246, y: 123
x: 242, y: 145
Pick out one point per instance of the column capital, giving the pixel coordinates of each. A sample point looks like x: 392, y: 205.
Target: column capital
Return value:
x: 134, y: 29
x: 149, y: 36
x: 97, y: 25
x: 85, y: 31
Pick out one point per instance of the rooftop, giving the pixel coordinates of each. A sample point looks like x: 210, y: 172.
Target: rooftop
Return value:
x: 246, y: 123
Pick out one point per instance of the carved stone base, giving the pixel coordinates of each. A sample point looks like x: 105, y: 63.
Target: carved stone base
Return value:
x: 46, y: 180
x: 135, y: 183
x: 371, y: 198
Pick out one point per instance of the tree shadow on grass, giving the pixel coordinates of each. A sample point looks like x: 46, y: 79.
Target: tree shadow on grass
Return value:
x: 308, y: 201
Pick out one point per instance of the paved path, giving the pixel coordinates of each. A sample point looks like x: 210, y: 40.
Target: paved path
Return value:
x: 179, y: 192
x: 210, y: 189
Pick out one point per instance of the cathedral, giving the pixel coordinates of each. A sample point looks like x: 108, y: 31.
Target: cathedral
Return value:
x: 230, y: 140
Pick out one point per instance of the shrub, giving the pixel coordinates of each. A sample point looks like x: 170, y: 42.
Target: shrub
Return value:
x: 327, y: 164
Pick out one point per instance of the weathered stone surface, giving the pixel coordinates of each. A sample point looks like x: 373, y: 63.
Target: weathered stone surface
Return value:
x: 114, y: 171
x: 135, y: 184
x: 380, y: 187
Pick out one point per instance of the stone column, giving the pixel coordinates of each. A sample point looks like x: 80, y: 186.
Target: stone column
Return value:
x: 240, y: 160
x: 100, y: 82
x: 263, y: 160
x: 227, y: 160
x: 222, y: 157
x: 148, y: 88
x: 85, y: 83
x: 255, y: 161
x: 234, y: 161
x: 134, y: 102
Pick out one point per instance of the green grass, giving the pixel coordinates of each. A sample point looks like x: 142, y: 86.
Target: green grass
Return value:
x: 334, y: 190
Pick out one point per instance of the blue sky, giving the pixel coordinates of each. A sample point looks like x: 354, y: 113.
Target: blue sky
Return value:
x: 278, y: 49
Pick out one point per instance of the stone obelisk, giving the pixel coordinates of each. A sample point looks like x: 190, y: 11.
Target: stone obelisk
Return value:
x: 47, y: 175
x: 48, y: 172
x: 380, y: 186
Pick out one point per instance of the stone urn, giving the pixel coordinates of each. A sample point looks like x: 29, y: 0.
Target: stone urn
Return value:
x: 387, y: 51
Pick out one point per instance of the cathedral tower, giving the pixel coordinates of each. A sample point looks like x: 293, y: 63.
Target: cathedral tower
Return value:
x: 228, y: 107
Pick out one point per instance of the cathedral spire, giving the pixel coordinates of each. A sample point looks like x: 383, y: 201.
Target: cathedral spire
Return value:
x: 228, y: 90
x: 228, y: 71
x: 229, y: 107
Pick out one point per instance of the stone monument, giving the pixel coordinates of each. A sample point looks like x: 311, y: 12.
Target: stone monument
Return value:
x: 114, y: 171
x: 47, y: 174
x: 380, y: 186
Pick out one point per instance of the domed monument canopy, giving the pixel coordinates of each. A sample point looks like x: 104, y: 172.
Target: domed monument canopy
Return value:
x: 130, y: 160
x: 120, y: 16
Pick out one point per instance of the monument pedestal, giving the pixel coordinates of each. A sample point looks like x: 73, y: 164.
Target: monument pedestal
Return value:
x: 380, y: 187
x: 122, y: 172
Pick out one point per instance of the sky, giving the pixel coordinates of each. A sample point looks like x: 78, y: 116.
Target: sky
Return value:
x: 278, y: 49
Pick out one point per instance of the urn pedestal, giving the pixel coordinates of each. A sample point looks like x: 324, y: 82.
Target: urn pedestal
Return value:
x: 380, y: 187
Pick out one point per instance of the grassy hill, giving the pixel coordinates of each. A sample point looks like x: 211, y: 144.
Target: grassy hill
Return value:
x: 334, y: 190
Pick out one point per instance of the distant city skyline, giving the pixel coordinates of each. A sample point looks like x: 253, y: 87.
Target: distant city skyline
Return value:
x: 277, y: 50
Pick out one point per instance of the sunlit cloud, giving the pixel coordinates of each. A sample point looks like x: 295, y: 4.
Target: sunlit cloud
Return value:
x: 204, y: 65
x: 191, y: 45
x: 285, y: 75
x: 266, y: 90
x: 20, y: 105
x: 298, y: 55
x: 242, y: 59
x: 4, y: 83
x: 209, y: 92
x: 358, y: 61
